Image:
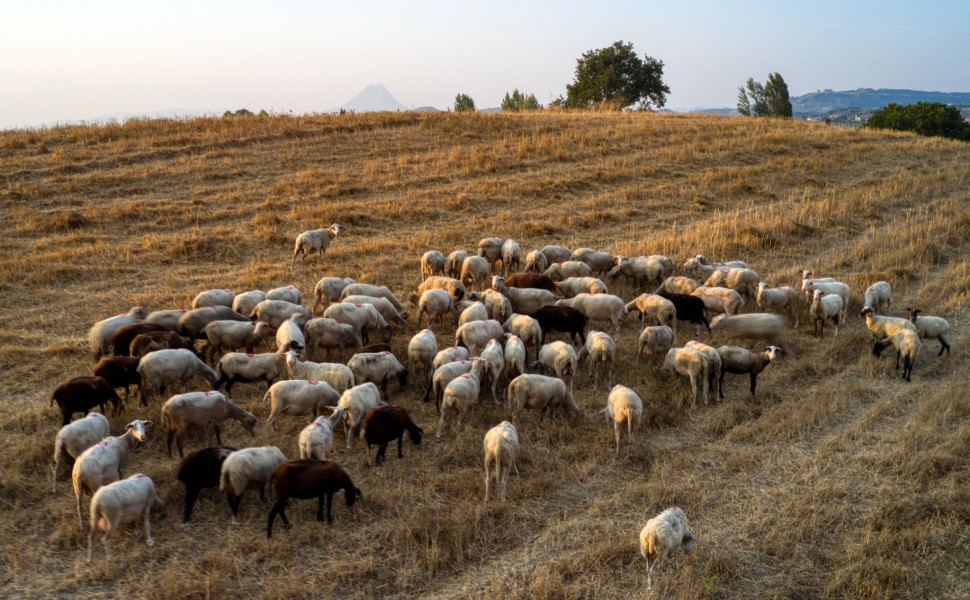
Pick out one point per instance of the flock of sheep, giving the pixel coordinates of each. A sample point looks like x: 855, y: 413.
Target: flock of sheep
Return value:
x: 505, y: 305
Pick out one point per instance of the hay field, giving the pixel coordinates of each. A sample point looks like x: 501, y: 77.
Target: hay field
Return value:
x: 838, y: 481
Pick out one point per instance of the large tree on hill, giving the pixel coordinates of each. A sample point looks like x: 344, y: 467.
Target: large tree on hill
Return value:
x: 617, y: 76
x: 925, y: 118
x: 765, y: 100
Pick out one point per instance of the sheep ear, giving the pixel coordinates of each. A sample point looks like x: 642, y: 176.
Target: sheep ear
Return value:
x: 128, y: 426
x: 148, y: 423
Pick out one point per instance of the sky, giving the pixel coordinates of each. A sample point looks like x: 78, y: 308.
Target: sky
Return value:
x: 69, y: 60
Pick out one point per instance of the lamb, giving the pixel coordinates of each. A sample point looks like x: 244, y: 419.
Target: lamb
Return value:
x: 475, y: 335
x: 573, y: 286
x: 558, y: 271
x: 442, y: 376
x: 515, y: 356
x: 192, y: 322
x: 833, y: 288
x: 511, y: 256
x: 200, y: 470
x: 298, y: 397
x: 677, y: 285
x: 81, y: 394
x: 161, y: 340
x: 493, y: 365
x: 559, y: 358
x: 460, y: 395
x: 719, y: 300
x: 743, y: 281
x: 527, y: 329
x: 372, y: 291
x: 245, y: 302
x: 162, y: 368
x: 763, y: 327
x: 316, y: 439
x: 539, y: 392
x: 435, y: 303
x: 623, y: 407
x: 74, y: 438
x: 598, y: 307
x: 201, y: 410
x: 491, y: 250
x: 290, y: 336
x: 378, y: 368
x: 453, y: 286
x: 248, y: 368
x: 693, y: 364
x: 277, y: 312
x: 432, y: 263
x: 289, y: 293
x: 364, y: 317
x: 123, y: 502
x: 524, y: 300
x: 907, y: 344
x: 314, y: 240
x: 422, y: 350
x: 384, y: 424
x: 247, y: 469
x: 354, y: 404
x: 713, y: 368
x: 641, y: 271
x: 99, y: 336
x: 825, y: 306
x: 169, y: 319
x: 556, y: 254
x: 531, y: 280
x: 330, y: 334
x: 661, y: 537
x: 338, y: 375
x: 218, y: 297
x: 934, y: 328
x: 501, y: 446
x: 120, y: 372
x: 688, y: 308
x: 741, y: 360
x: 655, y: 308
x: 655, y: 341
x: 474, y: 272
x: 122, y: 337
x: 474, y: 311
x: 599, y: 262
x: 535, y: 262
x: 105, y: 462
x: 304, y: 479
x: 779, y: 298
x: 600, y: 349
x: 231, y: 335
x: 882, y: 327
x: 384, y: 306
x: 453, y: 263
x: 328, y: 290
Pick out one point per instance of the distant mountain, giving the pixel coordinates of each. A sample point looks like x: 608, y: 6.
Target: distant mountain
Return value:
x: 822, y: 103
x: 374, y: 97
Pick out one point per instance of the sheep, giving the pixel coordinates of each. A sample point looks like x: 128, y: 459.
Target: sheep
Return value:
x: 778, y: 298
x: 384, y: 424
x: 599, y: 262
x: 825, y: 306
x: 316, y: 439
x: 372, y: 291
x: 298, y: 397
x: 741, y: 360
x: 162, y: 368
x: 288, y: 293
x: 934, y: 328
x: 524, y: 301
x: 763, y: 327
x: 422, y: 350
x: 460, y: 395
x: 476, y: 334
x: 559, y: 358
x: 493, y: 365
x: 515, y: 356
x: 453, y: 263
x: 448, y: 355
x: 535, y: 262
x: 491, y: 250
x: 123, y: 502
x: 499, y: 307
x: 122, y: 337
x: 623, y: 407
x: 231, y: 335
x: 245, y: 302
x: 314, y: 240
x: 719, y: 300
x: 169, y: 319
x: 563, y: 319
x: 247, y: 469
x: 730, y: 264
x: 290, y: 336
x: 655, y: 341
x: 539, y: 392
x: 688, y: 308
x: 364, y: 317
x: 378, y: 368
x: 120, y: 372
x: 882, y: 327
x: 556, y: 254
x: 475, y: 311
x: 277, y: 312
x: 693, y: 364
x: 641, y: 271
x: 354, y: 404
x: 810, y: 276
x: 527, y: 329
x: 200, y: 470
x: 661, y: 537
x: 81, y: 394
x: 435, y: 303
x: 657, y: 308
x: 384, y: 306
x: 474, y: 272
x: 218, y: 297
x: 531, y: 280
x: 501, y: 446
x: 599, y: 307
x: 328, y: 290
x: 442, y: 376
x: 74, y: 438
x: 453, y: 286
x: 878, y: 296
x: 834, y: 287
x: 743, y: 281
x: 571, y: 286
x: 304, y: 479
x: 161, y: 340
x: 702, y: 271
x: 907, y: 344
x: 99, y: 336
x: 201, y: 410
x: 570, y: 268
x: 248, y: 368
x: 677, y: 285
x: 511, y: 256
x: 432, y: 263
x: 713, y: 368
x: 667, y: 265
x: 329, y: 334
x: 600, y: 349
x: 338, y: 375
x: 192, y: 322
x: 105, y: 462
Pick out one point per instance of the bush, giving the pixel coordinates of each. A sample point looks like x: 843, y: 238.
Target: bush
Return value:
x: 924, y: 118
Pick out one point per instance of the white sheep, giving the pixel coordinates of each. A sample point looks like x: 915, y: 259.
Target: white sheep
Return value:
x: 526, y: 329
x: 330, y: 334
x: 493, y: 365
x: 99, y: 336
x: 276, y: 312
x: 571, y: 286
x: 169, y: 319
x: 743, y: 281
x: 491, y: 250
x: 434, y: 302
x: 741, y: 360
x: 373, y: 291
x: 354, y: 404
x: 442, y: 376
x: 511, y: 257
x: 364, y: 317
x: 882, y: 327
x: 677, y: 285
x: 778, y: 298
x: 337, y: 375
x: 123, y: 502
x: 599, y: 307
x: 453, y: 286
x: 540, y: 392
x: 558, y: 271
x: 719, y: 300
x: 731, y: 264
x: 316, y: 439
x: 245, y: 302
x: 599, y: 262
x: 833, y: 287
x: 74, y: 438
x: 453, y: 263
x: 499, y: 307
x: 384, y: 306
x: 641, y: 271
x: 476, y: 334
x: 422, y: 350
x: 524, y: 301
x: 655, y: 308
x: 515, y: 356
x: 232, y: 335
x: 217, y: 297
x: 560, y: 358
x: 448, y: 355
x: 460, y: 395
x: 328, y: 290
x: 878, y: 295
x: 378, y: 368
x: 662, y: 536
x: 933, y: 328
x: 432, y: 263
x: 201, y: 410
x: 824, y: 307
x: 692, y: 364
x: 248, y: 368
x: 162, y: 368
x: 501, y: 446
x: 315, y: 240
x: 713, y: 367
x: 556, y: 254
x: 907, y: 344
x: 474, y: 311
x: 600, y: 349
x: 289, y: 293
x: 298, y: 397
x: 247, y: 469
x: 763, y: 327
x: 810, y: 276
x: 535, y: 262
x: 655, y: 341
x: 623, y: 407
x: 290, y: 336
x: 104, y: 462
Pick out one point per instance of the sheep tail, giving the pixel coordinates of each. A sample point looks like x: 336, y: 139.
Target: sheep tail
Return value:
x: 225, y: 482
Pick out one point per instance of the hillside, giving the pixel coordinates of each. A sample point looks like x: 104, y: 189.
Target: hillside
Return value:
x: 827, y: 101
x: 838, y: 481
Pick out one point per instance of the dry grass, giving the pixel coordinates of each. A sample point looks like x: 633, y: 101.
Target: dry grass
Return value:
x: 840, y: 480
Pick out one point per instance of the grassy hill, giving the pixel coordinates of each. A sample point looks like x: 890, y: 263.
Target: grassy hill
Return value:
x: 839, y: 480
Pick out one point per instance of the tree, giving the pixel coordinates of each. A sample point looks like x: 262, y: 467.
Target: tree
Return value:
x: 767, y: 100
x: 464, y: 103
x: 518, y: 101
x: 617, y: 76
x: 924, y: 118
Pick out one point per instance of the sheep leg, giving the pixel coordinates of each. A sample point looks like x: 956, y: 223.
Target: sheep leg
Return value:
x: 148, y: 524
x: 330, y: 506
x: 944, y: 345
x: 191, y: 495
x: 754, y: 383
x: 616, y: 431
x: 90, y: 538
x: 218, y: 437
x: 400, y: 442
x: 320, y: 508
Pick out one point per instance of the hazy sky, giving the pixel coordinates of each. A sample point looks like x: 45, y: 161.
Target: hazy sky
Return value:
x: 81, y: 60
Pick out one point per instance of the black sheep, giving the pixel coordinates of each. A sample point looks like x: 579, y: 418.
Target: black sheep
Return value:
x: 119, y: 371
x: 564, y: 319
x: 199, y: 470
x: 689, y: 308
x: 384, y: 424
x: 81, y: 394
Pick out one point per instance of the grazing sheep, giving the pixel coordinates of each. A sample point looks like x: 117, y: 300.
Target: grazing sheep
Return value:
x: 123, y: 502
x: 933, y: 328
x: 741, y: 360
x: 599, y: 307
x: 762, y: 327
x: 201, y: 410
x: 378, y: 368
x: 422, y: 350
x: 105, y: 462
x: 511, y: 256
x: 192, y: 322
x: 122, y: 337
x: 169, y: 319
x: 501, y: 446
x: 475, y: 311
x: 314, y: 240
x: 525, y: 301
x: 432, y: 263
x: 277, y: 312
x: 563, y: 319
x: 661, y: 537
x: 245, y: 302
x: 435, y: 303
x: 442, y: 376
x: 74, y: 438
x: 120, y: 372
x: 515, y: 356
x: 247, y: 469
x: 338, y: 375
x: 453, y: 286
x: 200, y: 470
x: 599, y: 262
x: 305, y: 479
x: 572, y: 286
x: 539, y: 392
x: 882, y: 327
x: 491, y: 250
x: 907, y: 344
x: 453, y: 263
x: 743, y: 281
x: 713, y: 368
x: 288, y: 293
x: 298, y: 397
x: 476, y: 334
x: 474, y: 272
x: 779, y: 298
x: 688, y: 308
x: 623, y: 407
x: 316, y: 439
x: 719, y: 300
x: 559, y: 358
x: 825, y: 306
x: 384, y: 306
x: 364, y: 317
x: 99, y: 336
x: 526, y: 329
x: 330, y: 334
x: 328, y: 290
x: 730, y: 264
x: 232, y: 335
x: 499, y: 307
x: 641, y: 271
x: 531, y: 280
x: 384, y: 424
x: 677, y: 285
x: 655, y: 308
x: 161, y: 340
x: 162, y: 368
x: 372, y: 291
x: 449, y: 355
x: 878, y: 295
x: 692, y: 364
x: 701, y: 271
x: 354, y: 404
x: 832, y: 288
x: 557, y: 271
x: 248, y: 368
x: 290, y: 336
x: 81, y: 394
x: 810, y: 276
x: 556, y: 254
x: 460, y: 395
x: 493, y: 365
x: 535, y: 262
x: 655, y: 341
x: 600, y: 349
x: 218, y: 297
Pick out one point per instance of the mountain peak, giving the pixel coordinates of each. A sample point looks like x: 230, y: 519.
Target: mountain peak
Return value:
x: 374, y: 97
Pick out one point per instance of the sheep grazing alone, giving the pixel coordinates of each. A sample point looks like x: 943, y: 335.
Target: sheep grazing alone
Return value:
x: 105, y: 462
x: 654, y: 308
x: 314, y: 240
x: 453, y: 263
x: 713, y: 368
x: 81, y: 394
x: 338, y: 375
x: 162, y: 368
x: 232, y: 335
x: 542, y: 393
x: 122, y: 337
x: 907, y: 344
x: 378, y: 368
x: 305, y: 479
x: 217, y: 297
x: 201, y: 410
x: 247, y: 469
x: 501, y: 446
x: 198, y: 471
x: 298, y: 397
x: 655, y: 341
x: 354, y: 404
x: 384, y: 424
x: 535, y: 262
x: 432, y: 263
x: 662, y: 536
x: 435, y: 303
x: 74, y: 438
x: 559, y: 358
x: 330, y: 334
x: 328, y: 290
x: 123, y: 502
x: 120, y: 372
x: 511, y: 256
x: 515, y: 356
x: 422, y: 350
x: 245, y: 302
x: 236, y: 367
x: 491, y: 250
x: 739, y: 361
x: 316, y: 439
x: 623, y: 408
x: 824, y: 307
x: 692, y: 364
x: 442, y: 376
x: 290, y: 293
x: 474, y: 272
x: 563, y: 319
x: 600, y: 349
x: 599, y: 307
x: 780, y: 298
x: 99, y: 336
x: 933, y: 328
x: 460, y: 395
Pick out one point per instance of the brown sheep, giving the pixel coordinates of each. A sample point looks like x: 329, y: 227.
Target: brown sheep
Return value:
x: 305, y: 479
x: 384, y: 424
x: 81, y: 394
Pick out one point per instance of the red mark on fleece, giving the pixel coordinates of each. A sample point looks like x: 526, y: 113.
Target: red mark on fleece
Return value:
x: 387, y: 352
x: 269, y: 447
x: 249, y: 354
x: 311, y: 382
x: 465, y: 377
x: 357, y: 305
x: 102, y: 443
x: 340, y: 322
x: 209, y: 393
x: 315, y: 424
x: 140, y: 475
x: 92, y: 414
x: 226, y: 290
x: 290, y: 287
